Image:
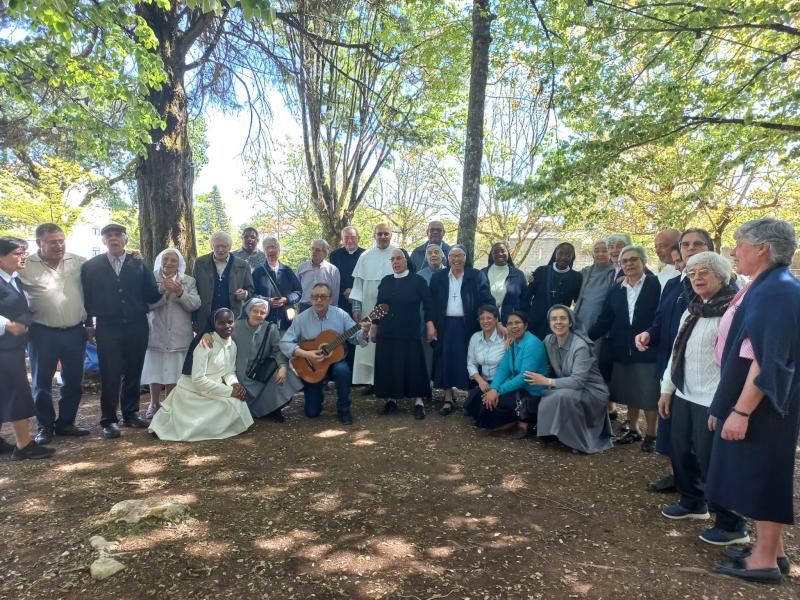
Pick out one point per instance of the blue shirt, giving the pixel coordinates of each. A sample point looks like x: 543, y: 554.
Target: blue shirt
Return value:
x: 529, y: 354
x: 307, y: 326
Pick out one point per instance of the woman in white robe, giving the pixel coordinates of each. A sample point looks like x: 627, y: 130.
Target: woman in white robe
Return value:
x: 208, y: 403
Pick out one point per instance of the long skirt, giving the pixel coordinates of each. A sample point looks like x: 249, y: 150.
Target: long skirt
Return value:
x: 576, y: 418
x: 504, y: 413
x: 400, y: 370
x: 754, y: 477
x: 473, y: 403
x: 635, y: 385
x: 264, y: 398
x: 187, y: 415
x: 16, y: 400
x: 161, y: 366
x: 451, y: 356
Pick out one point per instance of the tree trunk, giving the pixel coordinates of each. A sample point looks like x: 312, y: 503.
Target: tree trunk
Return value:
x: 473, y: 145
x: 165, y: 176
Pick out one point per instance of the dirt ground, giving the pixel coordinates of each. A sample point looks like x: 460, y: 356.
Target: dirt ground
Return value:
x: 387, y: 508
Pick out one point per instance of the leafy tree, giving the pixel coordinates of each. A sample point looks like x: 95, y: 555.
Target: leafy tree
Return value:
x: 211, y: 216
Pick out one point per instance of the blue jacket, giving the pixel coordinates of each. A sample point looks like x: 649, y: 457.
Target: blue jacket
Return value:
x: 474, y: 294
x: 664, y: 329
x: 614, y: 320
x: 288, y: 285
x: 528, y: 354
x: 516, y: 284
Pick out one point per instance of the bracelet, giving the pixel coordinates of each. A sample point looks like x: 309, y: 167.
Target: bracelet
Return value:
x: 741, y: 413
x: 552, y: 383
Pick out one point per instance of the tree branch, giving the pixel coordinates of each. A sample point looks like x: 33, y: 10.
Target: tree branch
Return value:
x: 731, y: 121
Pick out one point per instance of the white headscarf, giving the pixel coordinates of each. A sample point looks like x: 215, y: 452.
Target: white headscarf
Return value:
x: 181, y: 261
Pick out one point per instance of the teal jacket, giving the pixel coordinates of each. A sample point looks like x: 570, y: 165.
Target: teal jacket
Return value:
x: 527, y: 354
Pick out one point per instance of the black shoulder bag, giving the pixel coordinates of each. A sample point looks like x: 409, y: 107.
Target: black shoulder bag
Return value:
x: 264, y: 366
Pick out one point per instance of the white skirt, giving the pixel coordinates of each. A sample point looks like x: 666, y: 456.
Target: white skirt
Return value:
x: 162, y: 367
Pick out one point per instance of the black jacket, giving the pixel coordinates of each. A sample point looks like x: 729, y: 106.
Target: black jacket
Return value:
x: 14, y: 307
x: 474, y: 294
x: 117, y: 300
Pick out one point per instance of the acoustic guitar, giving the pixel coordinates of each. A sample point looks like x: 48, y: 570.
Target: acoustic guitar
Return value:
x: 332, y: 346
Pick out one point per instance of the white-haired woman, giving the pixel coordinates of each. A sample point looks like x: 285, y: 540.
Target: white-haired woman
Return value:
x: 687, y: 387
x: 170, y: 322
x: 630, y: 309
x: 756, y: 409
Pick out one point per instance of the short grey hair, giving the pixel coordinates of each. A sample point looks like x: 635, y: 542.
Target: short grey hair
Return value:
x: 270, y: 240
x: 349, y: 227
x: 222, y: 236
x: 637, y: 249
x: 323, y: 243
x: 776, y: 233
x: 619, y: 237
x: 720, y: 265
x: 435, y: 249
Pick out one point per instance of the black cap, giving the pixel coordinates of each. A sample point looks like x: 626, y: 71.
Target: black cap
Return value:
x: 113, y: 227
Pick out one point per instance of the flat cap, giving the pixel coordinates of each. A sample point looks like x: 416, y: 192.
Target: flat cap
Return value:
x: 113, y: 227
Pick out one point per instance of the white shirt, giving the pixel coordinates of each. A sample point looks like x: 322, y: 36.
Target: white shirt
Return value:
x: 116, y: 261
x: 486, y: 353
x: 667, y: 273
x: 55, y: 294
x: 497, y: 283
x: 701, y: 375
x: 632, y: 293
x: 455, y: 306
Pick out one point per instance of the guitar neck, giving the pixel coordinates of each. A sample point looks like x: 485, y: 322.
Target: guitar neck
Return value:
x: 343, y: 337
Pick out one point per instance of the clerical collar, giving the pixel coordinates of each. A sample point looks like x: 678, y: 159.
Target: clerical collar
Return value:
x: 557, y: 270
x: 401, y: 275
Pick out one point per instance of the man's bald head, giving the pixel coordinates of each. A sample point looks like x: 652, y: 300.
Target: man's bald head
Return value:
x: 435, y: 232
x: 382, y: 235
x: 664, y: 241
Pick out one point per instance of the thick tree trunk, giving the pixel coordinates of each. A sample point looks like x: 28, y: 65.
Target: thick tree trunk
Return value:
x: 473, y: 146
x: 165, y: 176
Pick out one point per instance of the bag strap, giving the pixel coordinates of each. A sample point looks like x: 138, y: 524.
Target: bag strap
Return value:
x: 273, y: 280
x: 260, y: 354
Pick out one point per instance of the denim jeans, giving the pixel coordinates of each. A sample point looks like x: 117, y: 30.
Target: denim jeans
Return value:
x: 47, y: 346
x: 342, y: 376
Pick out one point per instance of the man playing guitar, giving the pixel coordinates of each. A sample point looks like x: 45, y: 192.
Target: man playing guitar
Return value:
x: 308, y: 325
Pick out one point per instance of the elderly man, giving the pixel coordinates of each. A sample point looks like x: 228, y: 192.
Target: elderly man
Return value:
x: 52, y: 280
x: 249, y: 251
x: 117, y: 289
x: 277, y: 283
x: 223, y: 281
x: 372, y: 266
x: 317, y: 270
x: 435, y: 233
x: 345, y: 259
x: 307, y: 326
x: 664, y: 241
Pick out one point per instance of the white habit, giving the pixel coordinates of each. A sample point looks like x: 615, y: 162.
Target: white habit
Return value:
x: 201, y: 407
x: 372, y: 266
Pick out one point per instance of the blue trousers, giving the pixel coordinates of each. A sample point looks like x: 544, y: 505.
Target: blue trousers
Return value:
x: 47, y: 346
x: 342, y: 376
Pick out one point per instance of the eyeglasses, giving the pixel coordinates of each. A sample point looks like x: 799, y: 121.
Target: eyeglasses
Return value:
x: 20, y: 252
x: 383, y: 234
x: 320, y: 296
x: 698, y: 273
x: 439, y: 229
x: 694, y: 245
x: 630, y: 261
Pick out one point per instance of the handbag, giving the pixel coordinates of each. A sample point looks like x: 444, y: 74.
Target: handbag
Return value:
x: 264, y: 366
x: 291, y: 309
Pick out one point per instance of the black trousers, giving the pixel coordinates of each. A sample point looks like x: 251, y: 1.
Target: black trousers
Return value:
x: 120, y: 350
x: 690, y: 454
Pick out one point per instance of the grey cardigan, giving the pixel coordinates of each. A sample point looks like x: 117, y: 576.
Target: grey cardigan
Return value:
x: 170, y: 319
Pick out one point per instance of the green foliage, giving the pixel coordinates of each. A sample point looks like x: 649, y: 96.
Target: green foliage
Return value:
x: 210, y: 217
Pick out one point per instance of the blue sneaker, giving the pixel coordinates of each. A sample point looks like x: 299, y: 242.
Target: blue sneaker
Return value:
x: 720, y: 537
x: 678, y: 511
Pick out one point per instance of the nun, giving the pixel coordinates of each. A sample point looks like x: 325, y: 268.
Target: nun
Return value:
x: 554, y: 283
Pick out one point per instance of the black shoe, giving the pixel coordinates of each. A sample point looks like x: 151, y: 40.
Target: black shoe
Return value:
x: 111, y: 431
x: 136, y: 422
x: 368, y: 390
x: 345, y: 418
x: 419, y: 412
x: 613, y: 415
x: 649, y: 444
x: 277, y: 416
x: 389, y: 408
x: 72, y: 430
x: 5, y: 447
x: 629, y: 437
x: 742, y: 552
x: 665, y: 485
x: 32, y: 451
x: 625, y: 427
x: 44, y: 435
x: 737, y: 568
x: 446, y: 409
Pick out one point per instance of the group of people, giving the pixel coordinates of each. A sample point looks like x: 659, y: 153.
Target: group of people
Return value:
x: 709, y: 354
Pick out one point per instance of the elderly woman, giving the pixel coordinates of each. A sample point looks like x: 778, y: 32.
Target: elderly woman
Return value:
x: 687, y: 388
x: 400, y: 370
x: 277, y: 283
x: 756, y: 409
x: 510, y: 403
x: 573, y: 407
x: 595, y: 283
x: 486, y: 349
x: 554, y: 283
x: 259, y: 340
x: 208, y: 402
x: 616, y: 242
x: 630, y: 309
x: 170, y: 321
x: 457, y: 292
x: 16, y: 400
x: 435, y: 258
x: 506, y: 282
